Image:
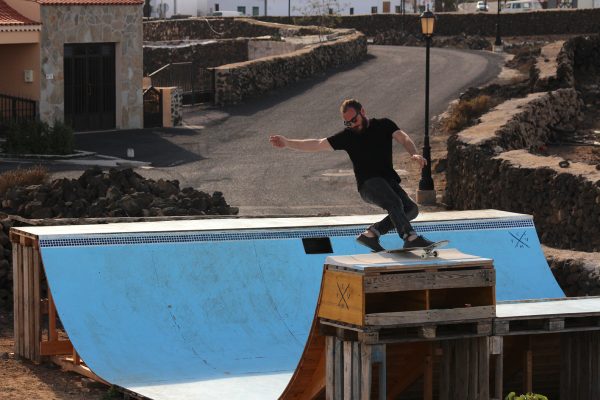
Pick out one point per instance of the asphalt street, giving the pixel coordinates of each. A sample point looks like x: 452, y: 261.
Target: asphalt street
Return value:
x: 228, y: 150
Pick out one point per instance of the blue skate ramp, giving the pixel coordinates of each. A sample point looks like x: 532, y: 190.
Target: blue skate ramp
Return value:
x: 222, y: 308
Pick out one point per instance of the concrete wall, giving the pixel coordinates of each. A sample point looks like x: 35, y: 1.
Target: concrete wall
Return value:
x: 121, y: 25
x: 22, y: 57
x: 266, y: 48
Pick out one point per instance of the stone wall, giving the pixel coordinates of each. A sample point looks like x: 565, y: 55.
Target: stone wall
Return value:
x: 176, y: 107
x: 490, y: 166
x: 258, y: 48
x: 577, y: 273
x: 236, y: 82
x: 382, y: 27
x: 121, y: 25
x: 219, y: 28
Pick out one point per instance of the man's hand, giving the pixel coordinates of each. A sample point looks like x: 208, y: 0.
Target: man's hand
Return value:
x: 420, y: 159
x: 278, y: 141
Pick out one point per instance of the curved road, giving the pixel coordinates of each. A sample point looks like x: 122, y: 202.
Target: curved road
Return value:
x: 233, y: 155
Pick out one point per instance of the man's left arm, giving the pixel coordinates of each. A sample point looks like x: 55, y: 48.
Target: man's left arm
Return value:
x: 402, y: 137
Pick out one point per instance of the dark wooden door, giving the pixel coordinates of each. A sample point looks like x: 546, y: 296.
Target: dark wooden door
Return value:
x: 90, y: 86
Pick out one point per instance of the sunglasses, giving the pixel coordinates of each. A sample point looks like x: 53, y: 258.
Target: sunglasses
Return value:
x: 352, y: 121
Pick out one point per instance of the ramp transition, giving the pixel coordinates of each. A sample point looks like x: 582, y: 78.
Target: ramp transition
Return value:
x: 223, y: 308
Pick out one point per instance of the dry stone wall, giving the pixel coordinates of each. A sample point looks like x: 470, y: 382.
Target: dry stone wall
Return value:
x: 490, y: 166
x: 236, y: 82
x: 385, y: 28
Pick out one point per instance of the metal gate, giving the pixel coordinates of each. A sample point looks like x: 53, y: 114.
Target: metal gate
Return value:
x: 196, y: 83
x: 90, y: 86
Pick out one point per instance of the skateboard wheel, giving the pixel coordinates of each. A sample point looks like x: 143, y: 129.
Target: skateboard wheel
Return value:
x: 435, y: 253
x: 424, y: 255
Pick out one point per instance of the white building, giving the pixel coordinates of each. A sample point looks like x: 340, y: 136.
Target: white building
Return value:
x: 168, y: 8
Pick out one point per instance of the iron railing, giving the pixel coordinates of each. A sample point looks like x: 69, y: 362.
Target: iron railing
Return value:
x: 197, y: 84
x: 14, y: 109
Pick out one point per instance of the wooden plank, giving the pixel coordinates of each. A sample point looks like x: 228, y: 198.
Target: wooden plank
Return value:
x: 445, y: 386
x: 429, y: 316
x: 566, y: 363
x: 16, y: 297
x: 329, y: 367
x: 68, y: 365
x: 342, y: 297
x: 554, y: 324
x: 26, y: 302
x: 338, y: 371
x: 382, y: 360
x: 52, y: 332
x: 37, y: 329
x: 429, y: 280
x: 347, y: 370
x: 366, y: 371
x: 31, y: 303
x: 56, y: 348
x: 473, y: 374
x: 356, y: 368
x: 528, y: 369
x: 460, y: 370
x: 428, y: 374
x: 483, y: 368
x: 498, y: 376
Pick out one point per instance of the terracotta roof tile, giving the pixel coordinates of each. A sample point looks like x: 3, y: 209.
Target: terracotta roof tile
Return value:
x: 9, y: 16
x: 89, y: 2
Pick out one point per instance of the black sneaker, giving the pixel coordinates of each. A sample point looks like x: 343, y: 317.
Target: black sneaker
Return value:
x: 370, y: 242
x: 420, y: 241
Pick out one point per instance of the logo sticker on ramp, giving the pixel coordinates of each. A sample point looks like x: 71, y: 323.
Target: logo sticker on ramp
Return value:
x: 343, y: 295
x: 519, y: 240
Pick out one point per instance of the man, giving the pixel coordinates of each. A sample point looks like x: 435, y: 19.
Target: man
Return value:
x: 368, y: 142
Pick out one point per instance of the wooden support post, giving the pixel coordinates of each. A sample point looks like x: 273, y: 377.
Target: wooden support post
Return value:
x: 428, y: 374
x: 366, y: 371
x: 528, y: 368
x: 497, y: 351
x: 347, y: 370
x: 329, y: 367
x: 37, y: 315
x: 52, y: 332
x: 338, y: 371
x: 378, y: 356
x: 18, y: 298
x: 356, y: 370
x: 445, y: 366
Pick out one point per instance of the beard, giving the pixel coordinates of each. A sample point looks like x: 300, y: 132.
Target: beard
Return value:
x: 361, y: 127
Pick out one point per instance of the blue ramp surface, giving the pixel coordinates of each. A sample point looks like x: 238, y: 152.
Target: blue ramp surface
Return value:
x: 221, y: 309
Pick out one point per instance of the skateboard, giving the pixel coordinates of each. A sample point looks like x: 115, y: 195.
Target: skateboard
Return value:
x: 428, y: 251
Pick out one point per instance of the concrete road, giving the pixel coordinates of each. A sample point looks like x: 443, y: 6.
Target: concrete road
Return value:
x: 228, y: 150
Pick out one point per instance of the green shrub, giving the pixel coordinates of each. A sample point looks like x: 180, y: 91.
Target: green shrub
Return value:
x: 36, y: 137
x: 526, y: 396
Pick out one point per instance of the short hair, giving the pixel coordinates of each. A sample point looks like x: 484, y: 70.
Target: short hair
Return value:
x: 350, y: 103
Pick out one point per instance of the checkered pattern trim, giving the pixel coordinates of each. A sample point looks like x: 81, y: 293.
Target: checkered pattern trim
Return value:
x: 227, y: 236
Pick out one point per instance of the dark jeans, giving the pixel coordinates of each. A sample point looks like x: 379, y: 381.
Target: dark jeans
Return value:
x: 388, y: 195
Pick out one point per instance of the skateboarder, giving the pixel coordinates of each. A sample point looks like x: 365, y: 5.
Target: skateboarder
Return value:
x: 368, y: 142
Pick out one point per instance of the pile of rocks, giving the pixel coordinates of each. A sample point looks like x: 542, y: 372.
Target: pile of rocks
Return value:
x: 116, y: 193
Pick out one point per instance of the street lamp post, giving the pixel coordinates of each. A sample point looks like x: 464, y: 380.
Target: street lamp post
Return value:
x: 426, y: 192
x: 498, y: 42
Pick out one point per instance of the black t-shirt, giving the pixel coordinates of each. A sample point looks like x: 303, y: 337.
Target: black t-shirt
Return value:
x: 370, y: 150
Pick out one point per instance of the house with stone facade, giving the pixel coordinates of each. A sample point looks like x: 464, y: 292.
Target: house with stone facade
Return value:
x: 78, y: 61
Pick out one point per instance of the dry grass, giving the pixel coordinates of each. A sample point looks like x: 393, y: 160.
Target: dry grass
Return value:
x: 463, y: 113
x: 22, y: 177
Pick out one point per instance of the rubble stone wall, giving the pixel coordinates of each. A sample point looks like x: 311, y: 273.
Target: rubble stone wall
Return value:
x: 220, y: 28
x: 204, y: 54
x: 382, y: 27
x: 490, y: 166
x: 236, y: 82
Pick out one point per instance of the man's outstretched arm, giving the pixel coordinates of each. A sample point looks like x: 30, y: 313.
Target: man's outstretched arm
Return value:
x: 402, y: 137
x: 310, y: 145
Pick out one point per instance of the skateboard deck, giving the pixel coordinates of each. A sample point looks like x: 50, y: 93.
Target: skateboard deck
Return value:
x: 428, y: 251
